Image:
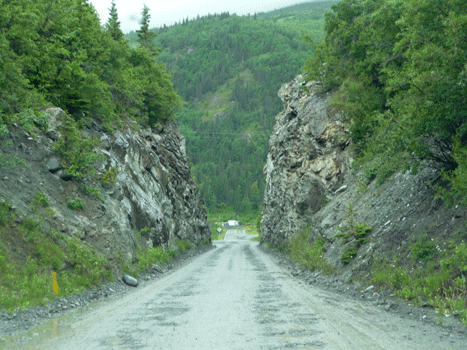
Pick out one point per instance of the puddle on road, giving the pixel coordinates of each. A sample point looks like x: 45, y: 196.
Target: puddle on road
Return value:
x: 50, y: 329
x: 36, y: 337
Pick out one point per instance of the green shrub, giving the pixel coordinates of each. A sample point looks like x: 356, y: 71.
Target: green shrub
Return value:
x: 5, y: 208
x: 349, y: 255
x: 184, y: 245
x: 40, y: 200
x: 149, y: 256
x: 424, y: 249
x: 110, y: 176
x: 29, y: 119
x: 217, y: 236
x: 456, y: 258
x: 257, y: 238
x: 352, y: 229
x: 77, y: 151
x: 75, y: 204
x: 88, y: 190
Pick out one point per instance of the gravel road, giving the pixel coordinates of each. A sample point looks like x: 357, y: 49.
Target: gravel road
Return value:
x: 235, y: 297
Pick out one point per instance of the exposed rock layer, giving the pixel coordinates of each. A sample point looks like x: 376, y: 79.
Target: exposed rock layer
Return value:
x: 153, y: 189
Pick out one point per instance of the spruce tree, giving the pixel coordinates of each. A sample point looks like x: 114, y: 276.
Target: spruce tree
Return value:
x: 145, y: 36
x: 113, y: 25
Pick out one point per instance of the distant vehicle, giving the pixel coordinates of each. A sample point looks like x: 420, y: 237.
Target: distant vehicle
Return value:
x: 232, y: 223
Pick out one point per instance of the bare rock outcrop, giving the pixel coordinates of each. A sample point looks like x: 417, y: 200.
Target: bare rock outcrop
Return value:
x: 152, y: 202
x: 306, y: 161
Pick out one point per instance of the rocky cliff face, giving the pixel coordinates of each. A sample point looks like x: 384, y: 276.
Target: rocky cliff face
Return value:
x: 153, y: 201
x: 309, y: 180
x: 307, y: 160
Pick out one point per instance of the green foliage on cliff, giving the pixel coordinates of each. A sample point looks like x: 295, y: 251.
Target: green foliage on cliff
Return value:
x: 78, y: 155
x: 57, y: 53
x: 229, y: 68
x: 400, y: 67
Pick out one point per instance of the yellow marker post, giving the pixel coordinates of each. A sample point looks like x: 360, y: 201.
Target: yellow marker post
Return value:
x: 55, y: 283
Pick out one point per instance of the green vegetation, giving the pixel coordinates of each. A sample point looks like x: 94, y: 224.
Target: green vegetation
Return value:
x: 29, y: 253
x: 435, y: 273
x: 255, y: 229
x: 110, y: 176
x: 183, y: 245
x: 57, y: 53
x: 88, y: 190
x: 215, y: 235
x: 352, y: 230
x: 229, y: 68
x: 40, y: 200
x: 348, y: 255
x: 147, y: 257
x: 77, y: 151
x: 75, y: 204
x: 305, y: 19
x: 399, y: 73
x: 399, y: 67
x: 257, y: 238
x: 310, y: 255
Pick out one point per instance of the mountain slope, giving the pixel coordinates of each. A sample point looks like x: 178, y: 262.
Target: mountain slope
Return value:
x: 228, y: 68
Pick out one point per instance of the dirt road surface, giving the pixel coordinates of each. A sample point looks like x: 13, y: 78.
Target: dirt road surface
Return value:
x: 235, y: 297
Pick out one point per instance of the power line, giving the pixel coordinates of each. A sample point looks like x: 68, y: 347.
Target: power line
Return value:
x: 220, y: 134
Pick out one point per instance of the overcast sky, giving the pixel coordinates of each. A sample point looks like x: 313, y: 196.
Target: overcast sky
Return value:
x: 170, y: 11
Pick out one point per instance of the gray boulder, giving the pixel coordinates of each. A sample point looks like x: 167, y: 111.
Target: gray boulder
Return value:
x: 54, y: 164
x: 131, y: 281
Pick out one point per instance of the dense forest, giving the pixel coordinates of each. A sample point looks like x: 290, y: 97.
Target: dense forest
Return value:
x: 57, y: 53
x: 400, y: 68
x: 228, y: 69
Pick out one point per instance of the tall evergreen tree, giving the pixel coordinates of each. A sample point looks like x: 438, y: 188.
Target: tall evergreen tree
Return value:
x: 113, y: 25
x: 145, y: 36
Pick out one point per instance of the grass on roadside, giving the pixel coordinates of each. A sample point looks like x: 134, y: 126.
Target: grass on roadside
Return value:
x: 217, y: 231
x: 253, y: 230
x: 435, y: 273
x: 29, y: 253
x: 218, y: 237
x: 310, y: 255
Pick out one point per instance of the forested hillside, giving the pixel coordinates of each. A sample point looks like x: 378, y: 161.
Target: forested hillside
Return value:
x: 57, y: 53
x: 401, y: 71
x: 228, y: 69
